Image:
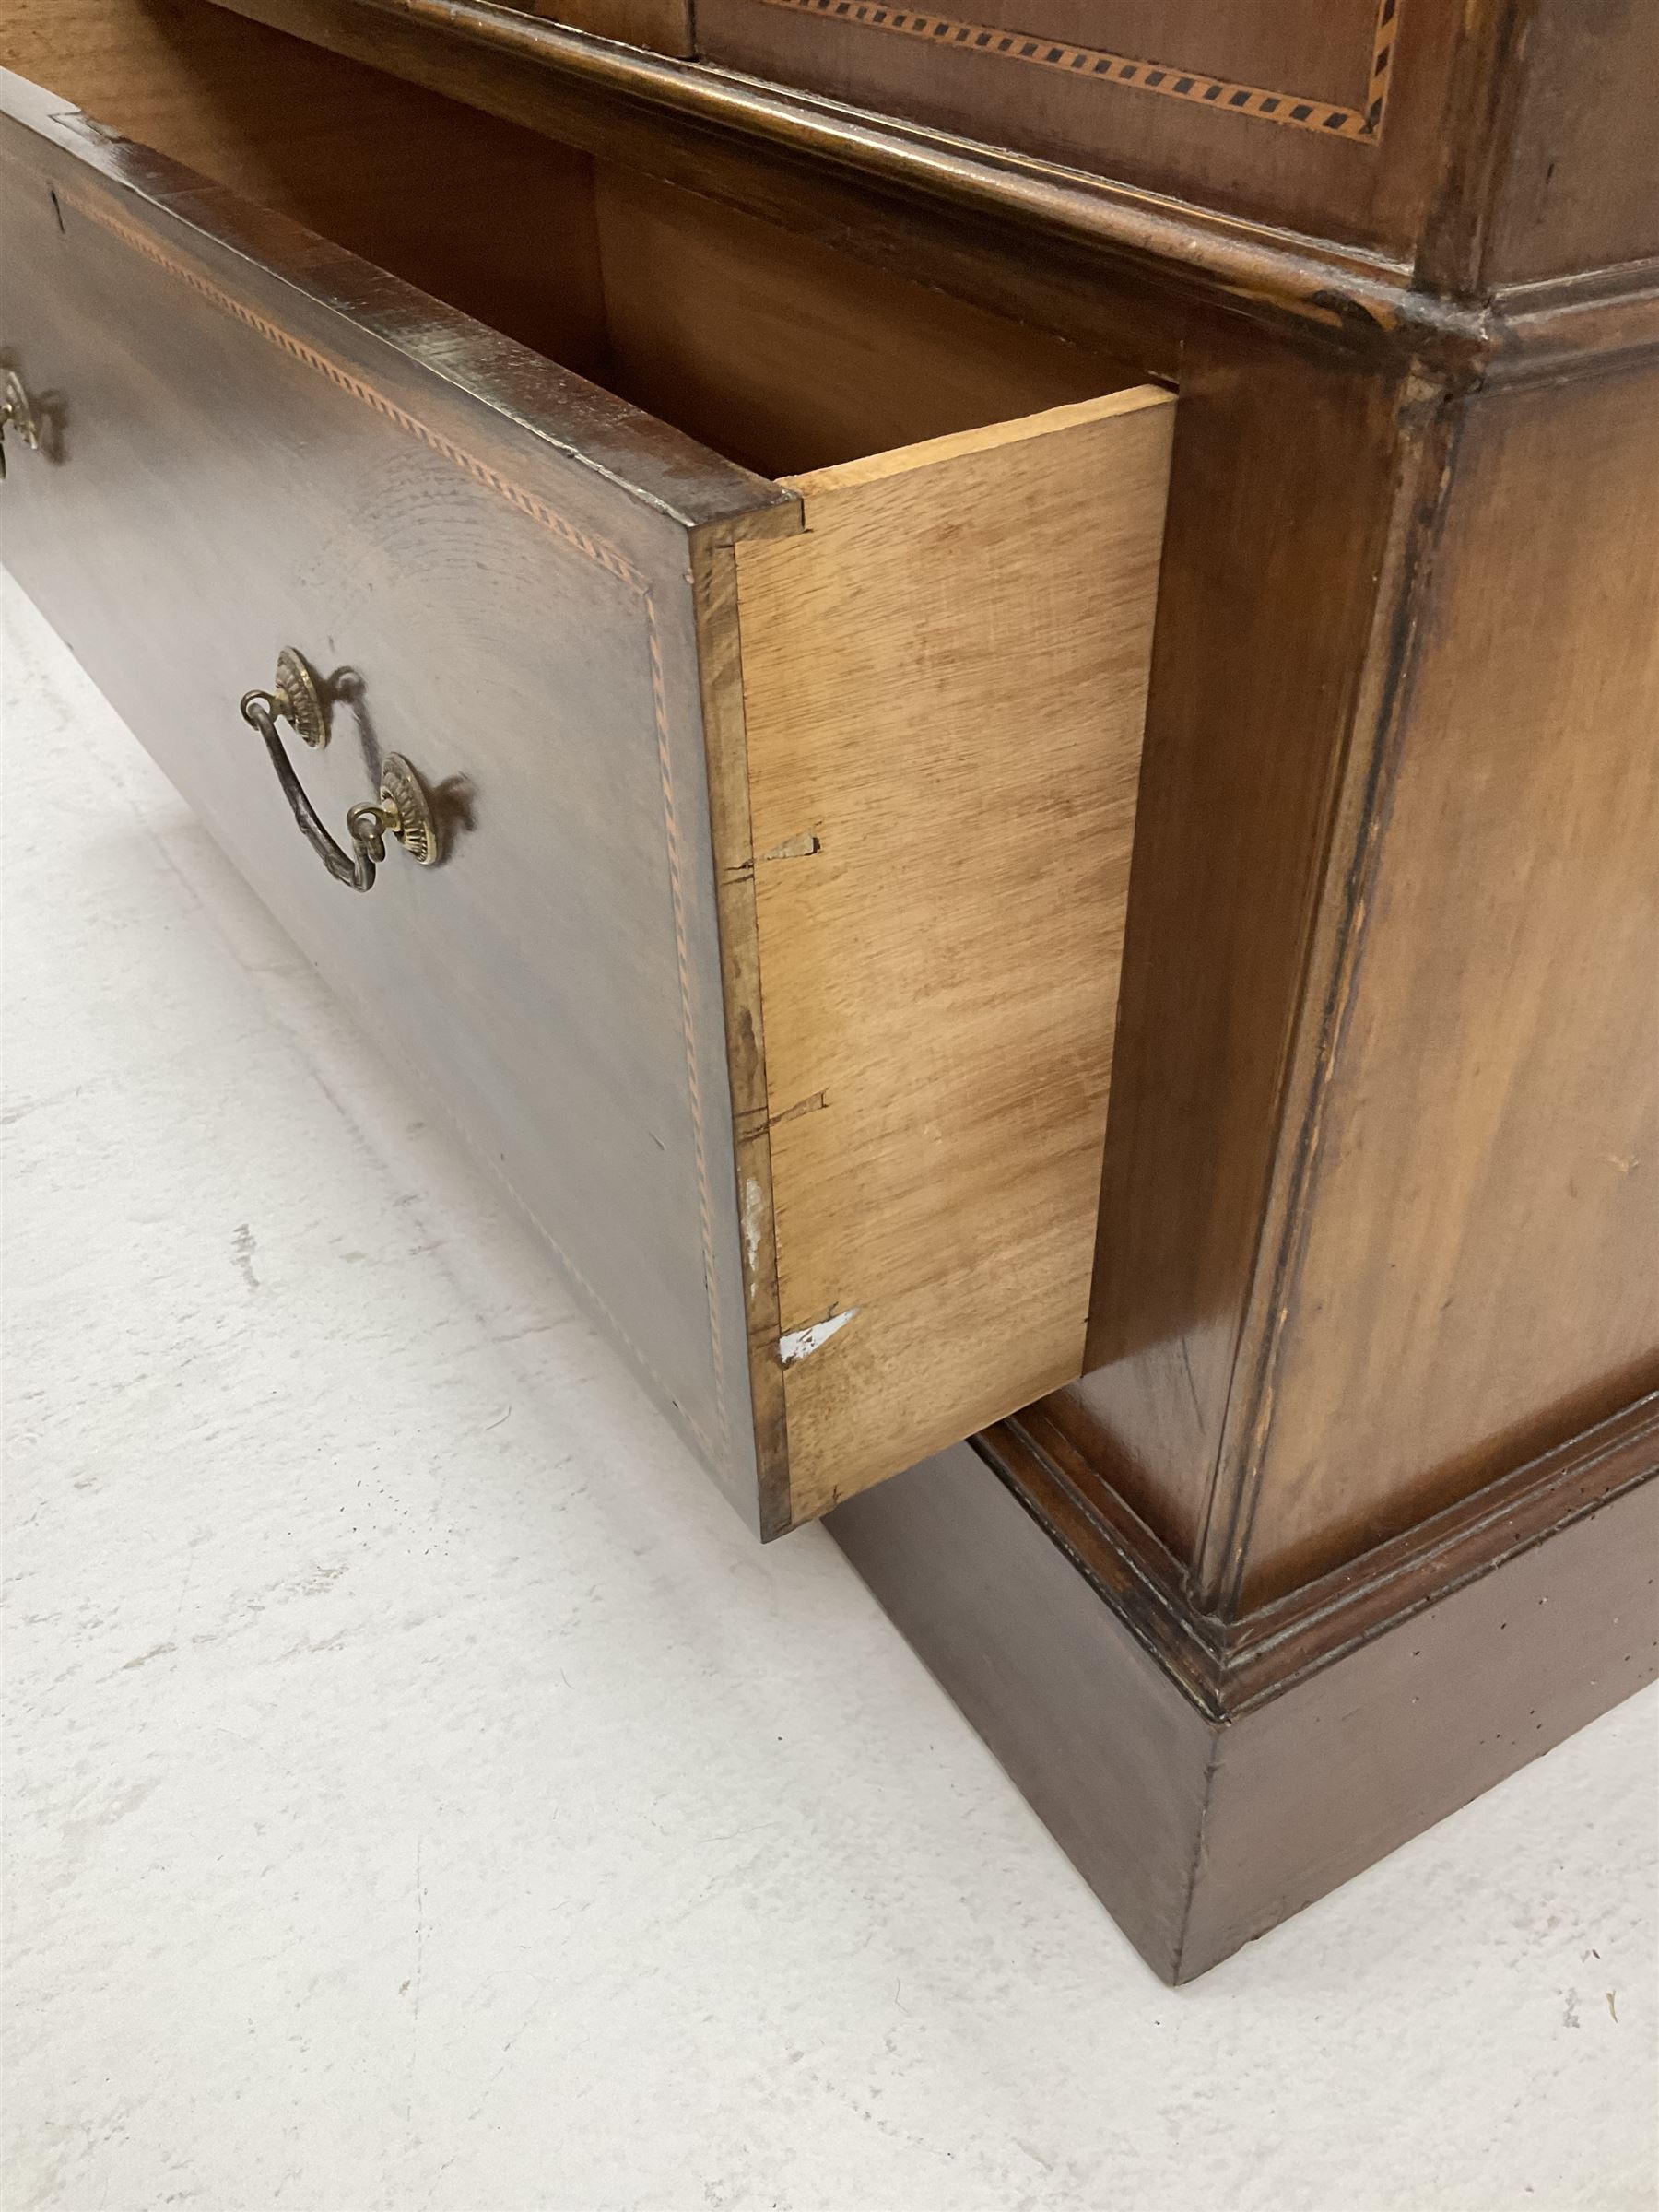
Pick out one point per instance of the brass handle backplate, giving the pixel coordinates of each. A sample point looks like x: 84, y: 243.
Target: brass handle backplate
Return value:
x: 17, y: 415
x: 403, y: 811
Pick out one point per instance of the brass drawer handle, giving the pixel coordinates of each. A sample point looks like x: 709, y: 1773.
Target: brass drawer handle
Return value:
x: 17, y: 414
x: 403, y: 809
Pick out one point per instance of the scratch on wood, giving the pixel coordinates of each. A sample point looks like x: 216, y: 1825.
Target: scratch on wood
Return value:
x: 793, y: 848
x: 815, y: 1104
x: 800, y: 1343
x: 754, y: 1216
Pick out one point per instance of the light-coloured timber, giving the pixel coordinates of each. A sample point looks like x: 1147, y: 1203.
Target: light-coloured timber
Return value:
x: 944, y: 680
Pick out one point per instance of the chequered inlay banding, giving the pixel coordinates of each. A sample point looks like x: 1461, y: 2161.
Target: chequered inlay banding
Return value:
x: 1093, y: 64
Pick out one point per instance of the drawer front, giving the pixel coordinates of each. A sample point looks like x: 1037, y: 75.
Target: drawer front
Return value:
x: 251, y: 442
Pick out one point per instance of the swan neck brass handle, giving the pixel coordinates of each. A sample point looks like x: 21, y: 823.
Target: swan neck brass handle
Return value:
x: 17, y: 415
x: 402, y: 810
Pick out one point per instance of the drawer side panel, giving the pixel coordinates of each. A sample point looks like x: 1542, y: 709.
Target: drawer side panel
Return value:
x: 945, y: 687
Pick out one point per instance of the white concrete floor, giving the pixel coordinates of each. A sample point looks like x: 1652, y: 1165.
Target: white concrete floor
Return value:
x: 423, y: 1793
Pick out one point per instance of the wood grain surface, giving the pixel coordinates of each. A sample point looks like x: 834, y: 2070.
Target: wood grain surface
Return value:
x: 943, y: 683
x: 792, y: 355
x: 1283, y: 485
x: 1480, y: 1268
x: 1578, y: 189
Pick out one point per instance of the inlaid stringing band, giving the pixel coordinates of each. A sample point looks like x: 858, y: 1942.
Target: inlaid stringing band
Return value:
x: 1091, y: 62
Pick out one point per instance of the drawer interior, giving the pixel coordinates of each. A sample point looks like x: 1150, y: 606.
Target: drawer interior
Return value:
x: 775, y: 350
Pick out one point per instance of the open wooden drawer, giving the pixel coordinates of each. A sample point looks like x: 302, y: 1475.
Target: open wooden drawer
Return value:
x: 783, y: 826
